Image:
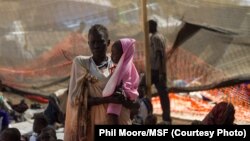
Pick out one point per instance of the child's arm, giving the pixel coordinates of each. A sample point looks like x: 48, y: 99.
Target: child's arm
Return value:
x: 130, y: 91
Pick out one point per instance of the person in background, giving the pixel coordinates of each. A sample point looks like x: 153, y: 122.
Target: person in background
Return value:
x: 151, y: 119
x: 145, y: 107
x: 5, y: 108
x: 39, y: 124
x: 47, y: 134
x: 4, y: 117
x: 158, y: 68
x: 55, y: 110
x: 4, y: 105
x: 222, y: 113
x: 10, y: 134
x: 124, y: 75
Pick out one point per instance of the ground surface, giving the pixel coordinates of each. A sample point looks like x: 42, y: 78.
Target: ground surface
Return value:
x: 15, y: 99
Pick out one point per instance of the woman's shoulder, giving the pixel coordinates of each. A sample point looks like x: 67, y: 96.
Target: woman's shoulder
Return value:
x: 81, y: 57
x: 81, y: 60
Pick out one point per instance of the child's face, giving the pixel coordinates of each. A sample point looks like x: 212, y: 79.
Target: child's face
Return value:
x: 116, y: 52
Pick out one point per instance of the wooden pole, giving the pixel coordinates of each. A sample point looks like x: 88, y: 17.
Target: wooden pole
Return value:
x: 146, y: 46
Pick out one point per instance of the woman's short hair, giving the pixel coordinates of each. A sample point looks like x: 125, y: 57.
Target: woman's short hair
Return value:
x: 99, y: 28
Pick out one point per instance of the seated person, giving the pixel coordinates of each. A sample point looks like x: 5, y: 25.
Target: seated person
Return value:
x: 47, y: 134
x: 145, y: 108
x: 10, y: 134
x: 56, y: 109
x: 4, y: 117
x: 151, y: 119
x: 222, y: 113
x: 40, y: 122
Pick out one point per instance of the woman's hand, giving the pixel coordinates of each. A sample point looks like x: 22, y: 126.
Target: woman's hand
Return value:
x: 121, y: 99
x: 120, y: 96
x: 116, y: 98
x: 131, y: 104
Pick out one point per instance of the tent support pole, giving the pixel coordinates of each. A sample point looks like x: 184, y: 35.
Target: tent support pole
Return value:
x: 146, y: 46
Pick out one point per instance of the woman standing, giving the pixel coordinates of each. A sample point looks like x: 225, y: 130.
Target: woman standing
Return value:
x: 86, y: 106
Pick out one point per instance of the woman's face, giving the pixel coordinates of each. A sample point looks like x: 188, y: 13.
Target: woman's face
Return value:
x: 98, y: 44
x: 116, y: 52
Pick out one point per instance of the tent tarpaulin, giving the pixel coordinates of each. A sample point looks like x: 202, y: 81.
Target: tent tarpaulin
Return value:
x: 207, y: 40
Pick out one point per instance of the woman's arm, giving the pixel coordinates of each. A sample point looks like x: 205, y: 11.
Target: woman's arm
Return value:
x: 97, y: 101
x: 117, y: 99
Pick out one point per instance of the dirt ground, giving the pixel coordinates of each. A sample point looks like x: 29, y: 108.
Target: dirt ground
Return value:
x: 176, y: 121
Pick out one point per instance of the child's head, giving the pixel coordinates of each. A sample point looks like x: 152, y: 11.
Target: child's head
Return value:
x: 124, y: 46
x: 152, y: 26
x: 40, y: 122
x: 10, y: 134
x: 151, y: 119
x: 47, y: 134
x: 116, y: 51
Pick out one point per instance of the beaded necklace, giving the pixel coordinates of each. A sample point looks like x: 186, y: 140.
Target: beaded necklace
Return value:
x: 103, y: 64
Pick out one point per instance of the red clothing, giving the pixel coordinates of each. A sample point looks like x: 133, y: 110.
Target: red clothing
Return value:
x: 221, y: 114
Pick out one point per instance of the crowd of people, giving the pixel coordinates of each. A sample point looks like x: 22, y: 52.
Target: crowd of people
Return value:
x: 108, y: 90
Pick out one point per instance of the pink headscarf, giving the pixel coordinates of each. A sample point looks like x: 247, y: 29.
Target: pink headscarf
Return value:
x: 125, y: 72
